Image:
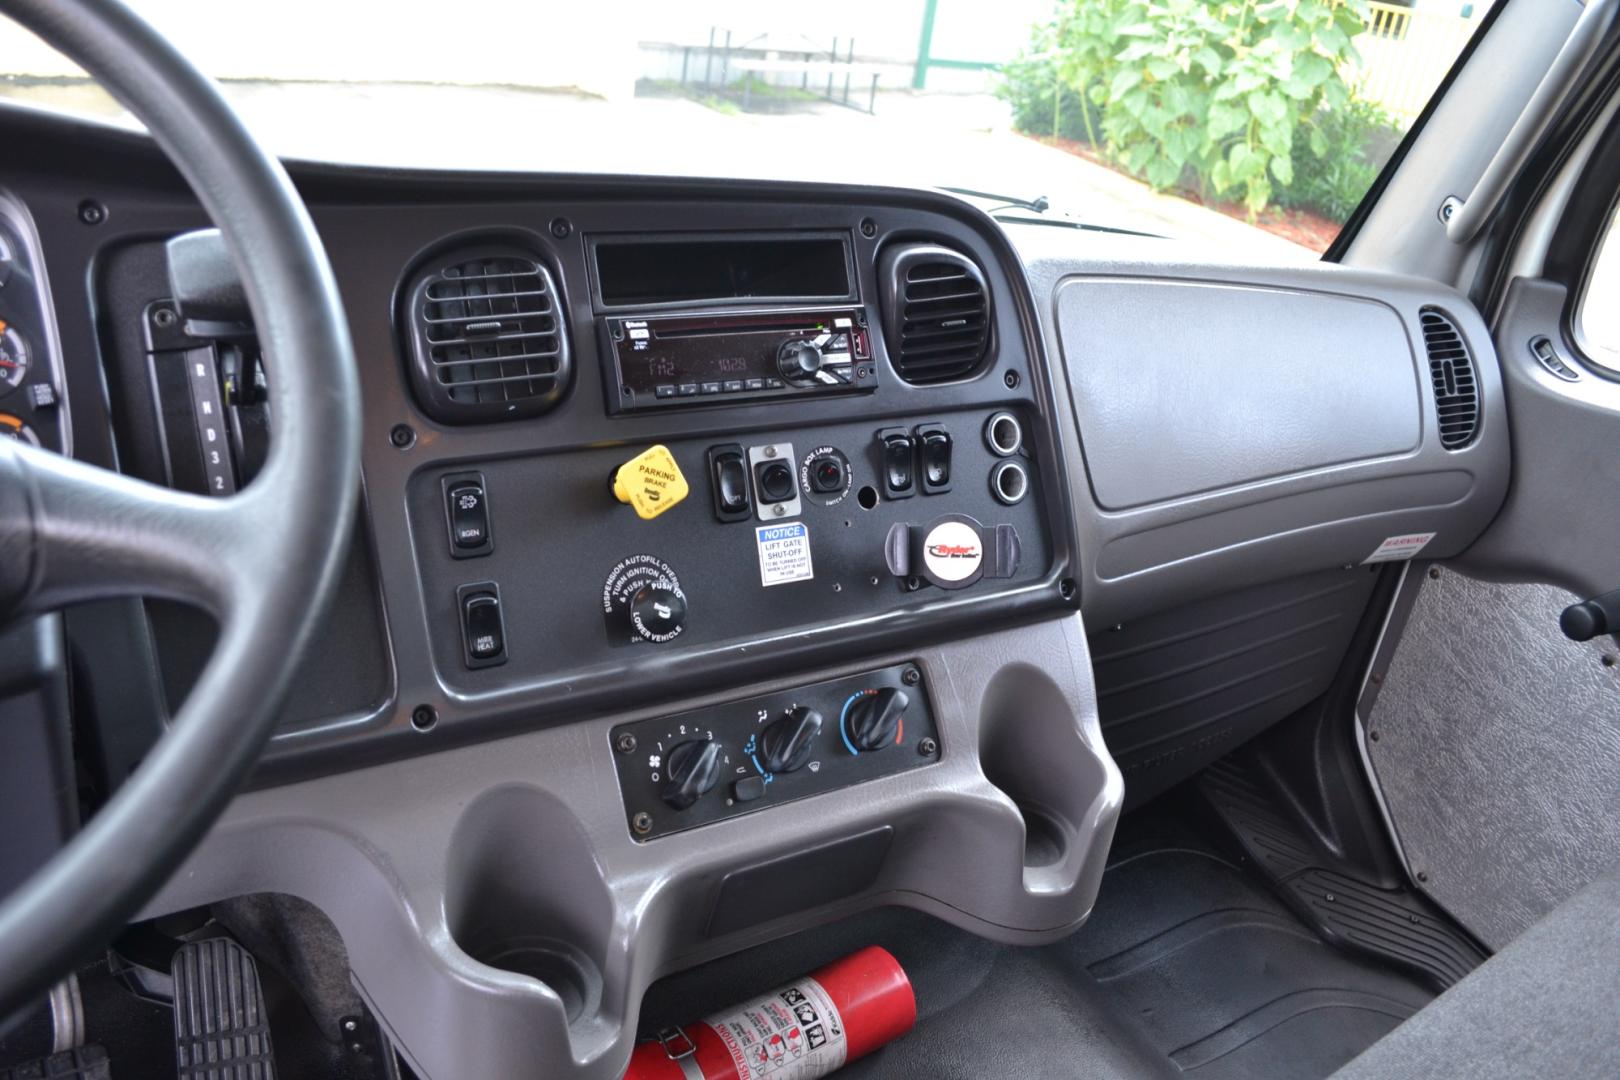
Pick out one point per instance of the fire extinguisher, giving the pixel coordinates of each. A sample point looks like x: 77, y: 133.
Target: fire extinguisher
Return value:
x: 800, y: 1031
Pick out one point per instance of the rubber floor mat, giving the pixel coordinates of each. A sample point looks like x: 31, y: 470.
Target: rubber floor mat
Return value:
x: 1220, y: 975
x: 1188, y: 966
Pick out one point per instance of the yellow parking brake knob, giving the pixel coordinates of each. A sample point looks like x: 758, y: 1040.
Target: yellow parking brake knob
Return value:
x: 650, y: 482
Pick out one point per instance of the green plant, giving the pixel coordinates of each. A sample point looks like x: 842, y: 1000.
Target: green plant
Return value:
x: 1358, y: 139
x: 1043, y: 103
x: 1214, y: 88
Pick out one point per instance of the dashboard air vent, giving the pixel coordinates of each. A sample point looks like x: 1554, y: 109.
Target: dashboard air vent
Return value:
x: 937, y: 310
x: 487, y: 336
x: 1456, y: 391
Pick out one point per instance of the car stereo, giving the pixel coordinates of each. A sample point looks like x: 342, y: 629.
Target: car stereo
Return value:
x: 714, y: 358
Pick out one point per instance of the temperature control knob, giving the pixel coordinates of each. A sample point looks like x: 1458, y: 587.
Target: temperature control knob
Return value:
x: 873, y: 719
x: 786, y: 744
x: 693, y: 770
x: 799, y: 361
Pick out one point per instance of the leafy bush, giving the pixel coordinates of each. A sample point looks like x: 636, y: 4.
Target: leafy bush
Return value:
x: 1215, y: 90
x: 1359, y: 139
x: 1044, y: 104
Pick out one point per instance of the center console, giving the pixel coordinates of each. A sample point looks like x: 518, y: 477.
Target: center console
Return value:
x: 645, y: 448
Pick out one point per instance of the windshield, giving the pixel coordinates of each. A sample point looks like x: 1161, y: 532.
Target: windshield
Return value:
x: 1256, y: 126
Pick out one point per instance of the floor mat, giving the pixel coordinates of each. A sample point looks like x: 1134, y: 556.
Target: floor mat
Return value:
x: 1187, y: 966
x: 1497, y: 753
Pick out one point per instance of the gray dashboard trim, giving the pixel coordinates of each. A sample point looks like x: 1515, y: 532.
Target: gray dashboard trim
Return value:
x: 1319, y: 509
x: 523, y: 840
x: 1560, y: 517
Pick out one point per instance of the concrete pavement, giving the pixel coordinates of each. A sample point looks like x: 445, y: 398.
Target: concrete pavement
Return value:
x: 915, y: 139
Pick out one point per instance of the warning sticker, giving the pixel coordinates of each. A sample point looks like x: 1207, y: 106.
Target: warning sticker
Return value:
x: 1396, y: 548
x: 792, y: 1034
x: 784, y: 553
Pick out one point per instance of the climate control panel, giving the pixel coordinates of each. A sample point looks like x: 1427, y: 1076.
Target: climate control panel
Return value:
x: 707, y: 765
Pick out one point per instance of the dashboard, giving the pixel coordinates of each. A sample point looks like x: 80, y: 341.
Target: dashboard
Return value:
x: 736, y: 555
x: 30, y: 394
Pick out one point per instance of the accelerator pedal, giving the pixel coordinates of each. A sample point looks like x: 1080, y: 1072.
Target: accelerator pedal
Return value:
x: 83, y: 1063
x: 220, y: 1028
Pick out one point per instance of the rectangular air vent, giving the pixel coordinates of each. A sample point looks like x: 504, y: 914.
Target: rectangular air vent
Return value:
x: 488, y: 339
x: 1456, y: 391
x: 938, y: 311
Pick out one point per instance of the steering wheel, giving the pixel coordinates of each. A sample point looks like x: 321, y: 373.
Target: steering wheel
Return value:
x: 70, y: 532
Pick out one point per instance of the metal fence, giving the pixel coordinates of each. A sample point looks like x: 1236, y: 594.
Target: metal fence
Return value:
x: 1405, y: 54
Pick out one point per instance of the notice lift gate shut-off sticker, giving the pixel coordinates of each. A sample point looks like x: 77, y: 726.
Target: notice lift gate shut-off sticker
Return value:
x: 784, y: 553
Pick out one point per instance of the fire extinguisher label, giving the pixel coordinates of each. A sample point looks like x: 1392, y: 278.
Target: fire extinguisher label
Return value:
x: 792, y: 1034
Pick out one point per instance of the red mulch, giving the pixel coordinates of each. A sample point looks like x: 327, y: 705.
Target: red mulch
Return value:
x: 1303, y: 227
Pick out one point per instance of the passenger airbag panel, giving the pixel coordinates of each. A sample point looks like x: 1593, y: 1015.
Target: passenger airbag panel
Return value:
x: 1233, y: 384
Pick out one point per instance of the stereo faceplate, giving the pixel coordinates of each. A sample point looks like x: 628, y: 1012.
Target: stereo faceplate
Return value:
x: 718, y: 358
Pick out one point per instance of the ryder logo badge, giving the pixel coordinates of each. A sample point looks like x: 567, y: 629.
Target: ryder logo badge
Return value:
x: 953, y: 551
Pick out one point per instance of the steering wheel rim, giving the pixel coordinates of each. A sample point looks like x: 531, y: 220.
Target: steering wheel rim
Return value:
x: 76, y: 532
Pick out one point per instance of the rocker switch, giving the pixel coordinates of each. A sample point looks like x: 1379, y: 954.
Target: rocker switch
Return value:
x: 934, y: 448
x: 483, y: 629
x: 466, y: 513
x: 899, y: 463
x: 728, y: 475
x: 469, y: 516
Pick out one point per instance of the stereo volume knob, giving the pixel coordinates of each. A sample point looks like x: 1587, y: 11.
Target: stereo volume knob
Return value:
x: 873, y: 720
x: 799, y: 361
x: 694, y: 769
x: 786, y: 744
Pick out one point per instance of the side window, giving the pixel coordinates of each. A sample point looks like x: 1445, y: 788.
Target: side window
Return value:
x: 1597, y: 320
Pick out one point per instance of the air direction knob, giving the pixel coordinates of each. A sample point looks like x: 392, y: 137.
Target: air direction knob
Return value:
x: 787, y: 743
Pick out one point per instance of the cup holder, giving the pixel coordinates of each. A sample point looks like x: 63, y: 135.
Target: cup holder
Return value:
x: 568, y: 971
x: 1045, y: 836
x: 525, y: 895
x: 1031, y: 746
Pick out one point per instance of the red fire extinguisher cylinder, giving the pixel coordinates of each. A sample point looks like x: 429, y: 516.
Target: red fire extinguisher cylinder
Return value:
x: 803, y: 1030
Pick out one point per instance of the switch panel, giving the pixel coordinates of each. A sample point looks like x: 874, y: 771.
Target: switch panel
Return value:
x: 771, y: 749
x: 466, y: 508
x: 483, y: 628
x: 701, y: 582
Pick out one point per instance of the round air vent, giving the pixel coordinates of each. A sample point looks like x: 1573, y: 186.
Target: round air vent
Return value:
x: 487, y: 338
x: 936, y: 313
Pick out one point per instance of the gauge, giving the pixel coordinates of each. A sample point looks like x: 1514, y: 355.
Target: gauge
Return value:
x: 12, y: 427
x: 6, y: 257
x: 13, y: 358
